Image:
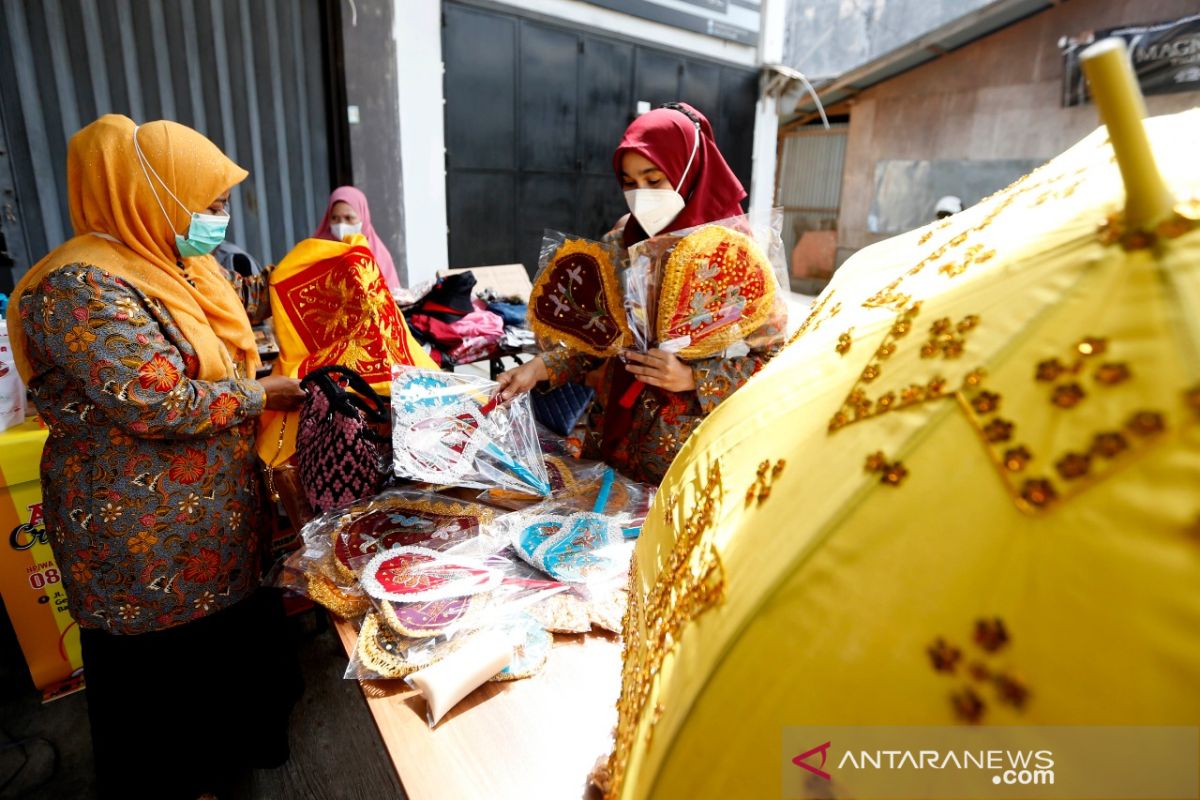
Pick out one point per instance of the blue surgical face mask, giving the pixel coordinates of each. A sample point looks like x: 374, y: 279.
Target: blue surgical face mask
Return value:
x: 205, y: 231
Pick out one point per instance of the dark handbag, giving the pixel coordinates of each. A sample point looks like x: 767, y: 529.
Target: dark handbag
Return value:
x: 343, y: 444
x: 561, y: 408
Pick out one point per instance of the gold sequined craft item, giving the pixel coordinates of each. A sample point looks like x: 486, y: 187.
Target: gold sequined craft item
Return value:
x: 717, y: 288
x: 576, y: 300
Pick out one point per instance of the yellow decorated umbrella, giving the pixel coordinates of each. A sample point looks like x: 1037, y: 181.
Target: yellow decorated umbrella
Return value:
x: 967, y: 493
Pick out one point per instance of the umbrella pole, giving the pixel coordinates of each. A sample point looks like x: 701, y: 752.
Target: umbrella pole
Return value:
x: 1122, y: 107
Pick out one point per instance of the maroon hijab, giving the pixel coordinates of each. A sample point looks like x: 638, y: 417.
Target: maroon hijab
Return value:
x: 665, y: 136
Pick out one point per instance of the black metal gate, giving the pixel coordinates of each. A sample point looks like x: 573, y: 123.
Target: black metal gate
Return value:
x: 533, y: 112
x: 255, y: 77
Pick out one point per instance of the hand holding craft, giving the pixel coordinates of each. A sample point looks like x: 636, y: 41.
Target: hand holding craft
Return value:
x: 283, y: 393
x: 521, y: 380
x: 662, y: 369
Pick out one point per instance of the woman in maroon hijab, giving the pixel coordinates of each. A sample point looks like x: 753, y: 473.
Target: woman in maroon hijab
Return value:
x: 674, y: 177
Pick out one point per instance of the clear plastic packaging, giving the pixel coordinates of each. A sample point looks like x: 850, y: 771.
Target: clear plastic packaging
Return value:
x: 450, y: 429
x: 589, y: 546
x: 567, y: 476
x: 333, y: 545
x: 577, y: 300
x: 420, y: 593
x: 715, y: 284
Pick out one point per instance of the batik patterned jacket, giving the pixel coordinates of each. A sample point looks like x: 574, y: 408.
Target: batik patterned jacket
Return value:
x: 148, y: 475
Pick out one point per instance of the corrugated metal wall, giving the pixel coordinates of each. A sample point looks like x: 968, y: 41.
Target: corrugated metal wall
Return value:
x: 810, y: 180
x: 246, y: 73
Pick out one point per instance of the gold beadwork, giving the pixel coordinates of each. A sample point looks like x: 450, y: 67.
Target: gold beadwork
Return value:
x: 765, y: 478
x: 1049, y: 370
x: 991, y: 634
x: 1073, y: 465
x: 986, y: 403
x: 1092, y: 346
x: 1038, y: 492
x: 1109, y: 444
x: 968, y: 705
x: 690, y: 582
x: 943, y: 655
x: 1111, y: 374
x: 1146, y: 423
x: 1017, y: 458
x: 844, y: 342
x: 890, y: 296
x: 998, y: 430
x: 890, y: 473
x: 1068, y: 396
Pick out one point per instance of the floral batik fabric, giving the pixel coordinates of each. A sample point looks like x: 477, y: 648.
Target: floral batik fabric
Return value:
x: 148, y: 474
x: 662, y: 420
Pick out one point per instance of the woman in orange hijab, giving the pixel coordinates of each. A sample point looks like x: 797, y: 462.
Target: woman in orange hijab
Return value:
x: 141, y: 360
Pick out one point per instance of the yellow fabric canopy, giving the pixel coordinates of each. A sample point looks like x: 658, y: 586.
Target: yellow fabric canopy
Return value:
x: 965, y: 493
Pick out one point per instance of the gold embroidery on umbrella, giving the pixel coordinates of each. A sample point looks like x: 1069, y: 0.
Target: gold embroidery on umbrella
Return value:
x: 891, y: 473
x: 890, y: 295
x: 690, y: 582
x: 991, y: 636
x: 765, y: 478
x: 814, y: 319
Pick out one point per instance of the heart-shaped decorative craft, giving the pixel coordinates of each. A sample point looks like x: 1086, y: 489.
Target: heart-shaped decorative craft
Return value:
x: 416, y: 575
x: 400, y: 522
x: 716, y: 289
x: 571, y: 548
x: 576, y: 300
x: 431, y: 618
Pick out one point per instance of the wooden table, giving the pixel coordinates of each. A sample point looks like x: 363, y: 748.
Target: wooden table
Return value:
x: 531, y: 739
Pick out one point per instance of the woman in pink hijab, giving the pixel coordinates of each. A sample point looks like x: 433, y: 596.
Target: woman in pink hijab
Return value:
x: 348, y: 213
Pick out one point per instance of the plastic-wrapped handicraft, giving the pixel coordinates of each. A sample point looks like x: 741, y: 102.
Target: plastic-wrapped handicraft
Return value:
x: 576, y: 298
x: 450, y: 429
x: 336, y: 544
x: 714, y: 287
x: 573, y: 546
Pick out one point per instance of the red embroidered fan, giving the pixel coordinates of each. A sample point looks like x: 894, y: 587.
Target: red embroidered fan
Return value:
x: 576, y: 300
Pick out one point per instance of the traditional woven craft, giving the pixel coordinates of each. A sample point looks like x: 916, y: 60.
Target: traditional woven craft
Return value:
x: 717, y: 288
x: 417, y: 574
x: 397, y: 521
x: 343, y: 452
x: 572, y: 548
x: 424, y: 620
x: 576, y: 300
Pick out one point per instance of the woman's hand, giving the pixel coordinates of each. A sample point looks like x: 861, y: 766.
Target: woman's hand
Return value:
x: 519, y: 380
x: 662, y: 369
x: 283, y: 394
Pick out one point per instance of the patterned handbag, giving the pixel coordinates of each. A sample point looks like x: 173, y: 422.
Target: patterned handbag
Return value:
x: 560, y: 409
x: 343, y: 445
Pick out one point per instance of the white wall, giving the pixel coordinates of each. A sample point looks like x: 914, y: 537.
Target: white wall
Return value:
x: 418, y: 31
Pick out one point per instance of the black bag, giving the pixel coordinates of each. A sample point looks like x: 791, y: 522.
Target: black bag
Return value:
x: 560, y: 409
x: 344, y: 443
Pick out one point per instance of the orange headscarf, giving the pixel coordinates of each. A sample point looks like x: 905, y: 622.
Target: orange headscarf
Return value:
x: 109, y: 194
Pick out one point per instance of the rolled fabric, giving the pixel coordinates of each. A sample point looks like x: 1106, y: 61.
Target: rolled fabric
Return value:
x: 448, y: 681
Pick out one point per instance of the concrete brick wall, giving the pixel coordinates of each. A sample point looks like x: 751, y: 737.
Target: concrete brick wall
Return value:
x: 997, y: 98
